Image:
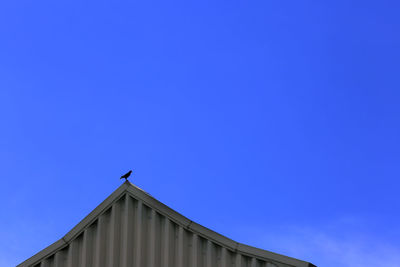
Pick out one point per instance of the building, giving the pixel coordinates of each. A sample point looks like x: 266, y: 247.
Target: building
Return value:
x: 131, y: 228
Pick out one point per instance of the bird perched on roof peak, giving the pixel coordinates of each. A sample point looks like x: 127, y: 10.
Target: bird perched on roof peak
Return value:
x: 126, y: 175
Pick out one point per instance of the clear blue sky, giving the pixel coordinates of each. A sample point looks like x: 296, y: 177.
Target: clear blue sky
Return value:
x: 275, y: 123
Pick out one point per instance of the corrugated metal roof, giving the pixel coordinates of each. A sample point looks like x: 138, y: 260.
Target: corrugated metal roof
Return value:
x: 131, y: 228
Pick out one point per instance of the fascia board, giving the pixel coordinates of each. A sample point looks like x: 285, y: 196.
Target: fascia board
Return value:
x: 209, y: 234
x: 163, y: 209
x: 267, y: 255
x: 58, y: 245
x: 43, y: 253
x: 96, y: 212
x: 214, y: 236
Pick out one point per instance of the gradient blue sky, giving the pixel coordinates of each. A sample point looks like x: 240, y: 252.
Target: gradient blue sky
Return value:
x: 275, y: 123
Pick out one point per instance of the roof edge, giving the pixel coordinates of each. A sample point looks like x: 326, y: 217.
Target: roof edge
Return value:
x: 163, y: 209
x: 210, y: 234
x: 62, y: 242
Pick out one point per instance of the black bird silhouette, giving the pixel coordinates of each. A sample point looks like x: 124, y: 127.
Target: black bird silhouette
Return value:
x: 126, y: 175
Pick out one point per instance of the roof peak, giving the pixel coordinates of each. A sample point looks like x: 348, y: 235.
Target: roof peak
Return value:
x: 128, y: 189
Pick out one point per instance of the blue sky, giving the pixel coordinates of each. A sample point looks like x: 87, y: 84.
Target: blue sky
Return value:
x: 275, y: 123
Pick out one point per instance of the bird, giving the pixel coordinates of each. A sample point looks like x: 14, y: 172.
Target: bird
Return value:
x: 126, y: 175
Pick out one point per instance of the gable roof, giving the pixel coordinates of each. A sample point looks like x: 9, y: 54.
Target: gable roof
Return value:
x: 130, y: 221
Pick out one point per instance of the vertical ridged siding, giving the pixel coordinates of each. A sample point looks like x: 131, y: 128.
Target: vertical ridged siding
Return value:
x: 131, y: 234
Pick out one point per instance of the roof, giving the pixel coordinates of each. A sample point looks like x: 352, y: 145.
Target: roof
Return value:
x: 131, y: 228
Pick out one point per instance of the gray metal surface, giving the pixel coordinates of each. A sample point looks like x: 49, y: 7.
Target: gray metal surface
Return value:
x: 132, y: 229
